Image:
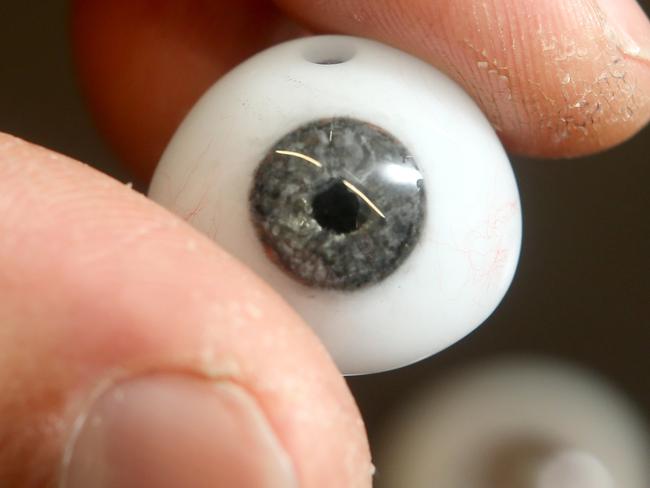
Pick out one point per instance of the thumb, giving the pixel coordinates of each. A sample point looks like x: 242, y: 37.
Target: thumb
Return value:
x: 133, y: 352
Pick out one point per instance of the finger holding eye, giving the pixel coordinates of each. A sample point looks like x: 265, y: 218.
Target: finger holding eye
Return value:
x: 375, y: 219
x: 136, y: 353
x: 556, y: 78
x: 142, y: 64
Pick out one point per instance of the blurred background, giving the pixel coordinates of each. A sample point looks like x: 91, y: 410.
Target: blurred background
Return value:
x: 582, y: 290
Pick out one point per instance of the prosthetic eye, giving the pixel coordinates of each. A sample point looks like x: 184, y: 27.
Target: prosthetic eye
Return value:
x: 517, y: 422
x: 359, y: 182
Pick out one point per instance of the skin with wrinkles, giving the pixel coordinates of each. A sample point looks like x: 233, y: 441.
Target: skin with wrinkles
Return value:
x: 556, y: 78
x: 100, y: 284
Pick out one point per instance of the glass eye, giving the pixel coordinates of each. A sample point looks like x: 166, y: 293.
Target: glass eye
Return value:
x: 362, y: 184
x: 516, y: 422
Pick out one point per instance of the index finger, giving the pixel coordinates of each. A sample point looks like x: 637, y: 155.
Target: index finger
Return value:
x: 557, y: 78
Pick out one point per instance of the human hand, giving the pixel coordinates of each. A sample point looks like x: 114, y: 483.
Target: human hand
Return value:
x: 204, y: 377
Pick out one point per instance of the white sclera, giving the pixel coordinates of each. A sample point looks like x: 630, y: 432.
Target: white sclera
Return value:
x: 467, y: 254
x: 450, y: 435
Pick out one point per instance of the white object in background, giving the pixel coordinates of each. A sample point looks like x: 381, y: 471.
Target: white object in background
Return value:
x: 468, y: 249
x: 521, y: 423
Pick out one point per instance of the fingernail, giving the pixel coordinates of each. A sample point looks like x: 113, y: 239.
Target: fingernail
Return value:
x: 172, y: 431
x: 629, y: 26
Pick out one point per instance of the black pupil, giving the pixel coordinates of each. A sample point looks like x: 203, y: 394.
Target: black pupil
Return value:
x: 338, y: 209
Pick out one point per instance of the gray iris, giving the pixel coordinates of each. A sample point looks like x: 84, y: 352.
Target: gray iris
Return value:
x: 338, y: 203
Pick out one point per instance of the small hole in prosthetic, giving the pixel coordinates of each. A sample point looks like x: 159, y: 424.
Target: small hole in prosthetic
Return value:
x: 328, y: 53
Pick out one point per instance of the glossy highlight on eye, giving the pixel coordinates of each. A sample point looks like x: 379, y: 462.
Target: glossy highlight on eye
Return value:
x: 299, y: 155
x: 363, y: 197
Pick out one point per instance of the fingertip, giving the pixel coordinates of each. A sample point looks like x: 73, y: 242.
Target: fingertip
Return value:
x: 555, y: 78
x: 142, y: 64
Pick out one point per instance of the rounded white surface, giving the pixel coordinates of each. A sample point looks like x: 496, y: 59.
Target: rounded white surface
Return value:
x: 468, y: 251
x: 516, y: 424
x: 572, y: 469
